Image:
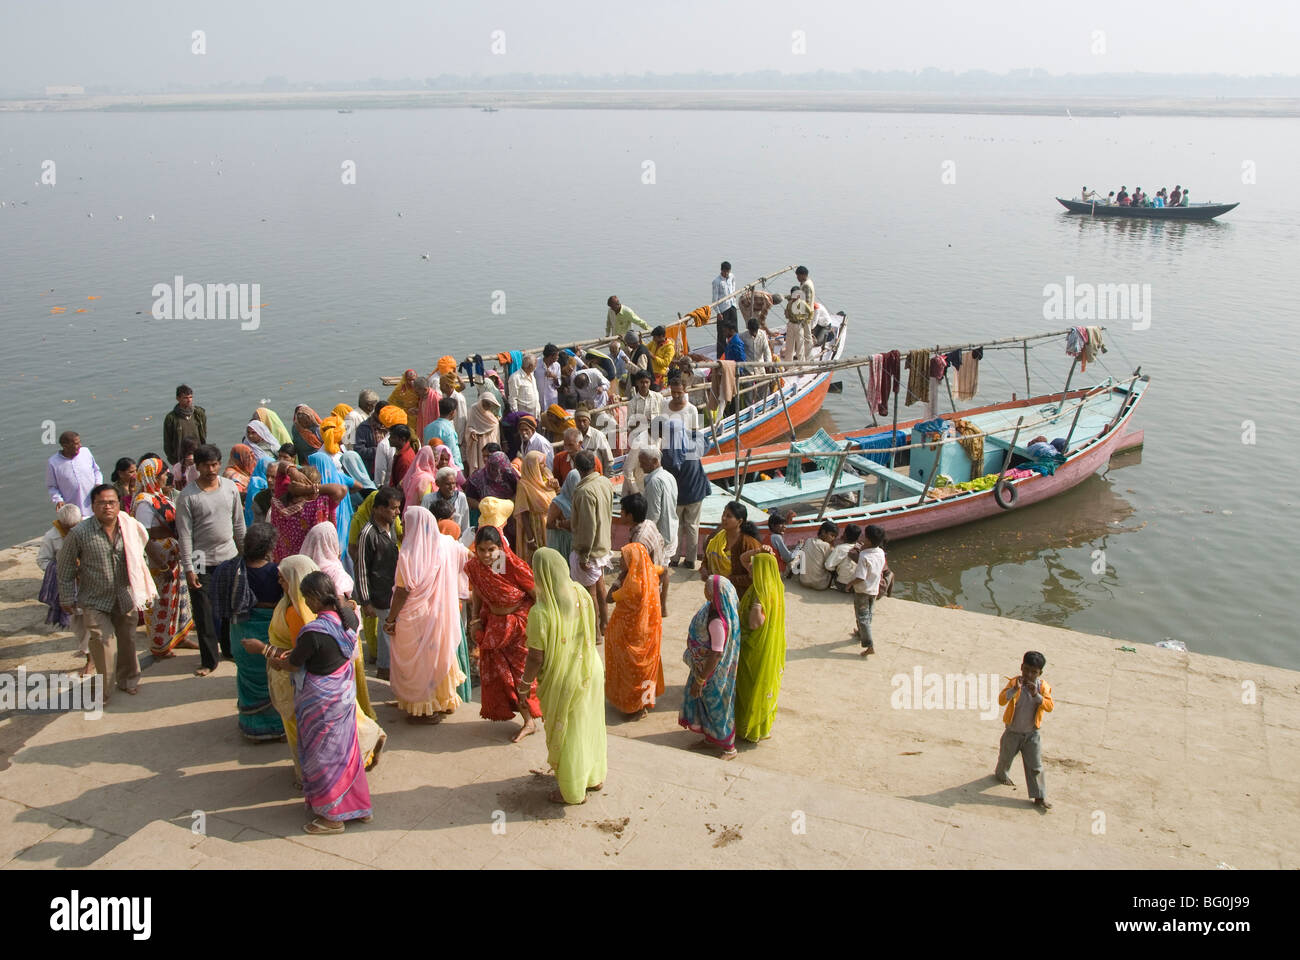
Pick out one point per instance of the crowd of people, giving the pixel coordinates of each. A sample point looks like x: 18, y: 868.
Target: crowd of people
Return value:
x: 442, y: 542
x: 1138, y: 198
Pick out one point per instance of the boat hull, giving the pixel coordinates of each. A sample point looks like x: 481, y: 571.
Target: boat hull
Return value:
x: 1206, y: 212
x: 909, y: 519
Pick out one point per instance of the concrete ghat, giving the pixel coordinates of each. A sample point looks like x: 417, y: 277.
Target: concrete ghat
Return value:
x: 1153, y: 760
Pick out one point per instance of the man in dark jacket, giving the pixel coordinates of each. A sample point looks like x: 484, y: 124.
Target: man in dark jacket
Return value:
x: 185, y: 420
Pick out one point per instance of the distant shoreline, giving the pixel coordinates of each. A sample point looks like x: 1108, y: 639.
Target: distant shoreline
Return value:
x: 755, y: 100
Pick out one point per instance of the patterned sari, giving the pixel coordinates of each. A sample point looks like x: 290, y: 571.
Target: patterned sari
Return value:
x: 563, y: 627
x: 329, y: 753
x: 634, y: 670
x: 762, y: 652
x: 503, y: 640
x: 293, y: 521
x: 169, y: 620
x: 712, y: 713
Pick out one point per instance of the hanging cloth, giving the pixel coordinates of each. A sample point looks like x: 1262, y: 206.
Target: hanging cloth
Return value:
x: 918, y: 372
x: 677, y: 337
x: 890, y: 379
x: 972, y: 441
x: 1096, y: 344
x: 700, y: 316
x: 968, y: 374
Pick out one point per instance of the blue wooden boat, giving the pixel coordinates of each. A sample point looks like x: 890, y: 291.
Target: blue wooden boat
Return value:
x: 1193, y: 211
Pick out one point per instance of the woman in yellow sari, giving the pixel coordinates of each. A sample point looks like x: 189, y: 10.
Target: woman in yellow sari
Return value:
x: 634, y: 670
x: 291, y: 613
x: 273, y: 423
x: 563, y: 659
x: 762, y: 648
x: 533, y: 495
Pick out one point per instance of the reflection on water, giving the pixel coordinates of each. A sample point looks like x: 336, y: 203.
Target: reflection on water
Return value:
x: 1034, y: 563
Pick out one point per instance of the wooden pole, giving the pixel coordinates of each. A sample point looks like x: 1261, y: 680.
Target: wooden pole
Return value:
x: 893, y: 439
x: 744, y: 472
x: 1028, y: 392
x: 1066, y: 391
x: 1074, y: 423
x: 867, y: 397
x: 835, y: 478
x: 788, y: 419
x: 1011, y: 449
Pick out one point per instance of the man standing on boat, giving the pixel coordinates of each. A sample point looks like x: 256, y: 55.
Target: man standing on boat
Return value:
x: 798, y: 326
x: 724, y: 303
x: 620, y: 319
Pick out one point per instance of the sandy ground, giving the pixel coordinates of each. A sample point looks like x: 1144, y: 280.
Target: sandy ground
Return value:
x: 1154, y: 759
x: 841, y: 100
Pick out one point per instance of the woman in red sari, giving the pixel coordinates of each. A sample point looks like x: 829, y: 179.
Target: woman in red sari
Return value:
x: 503, y: 595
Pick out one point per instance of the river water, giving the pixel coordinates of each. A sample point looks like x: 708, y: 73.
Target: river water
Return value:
x: 923, y: 229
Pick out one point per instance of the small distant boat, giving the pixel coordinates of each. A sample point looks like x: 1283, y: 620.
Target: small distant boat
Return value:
x: 1194, y: 211
x: 490, y: 110
x: 345, y: 111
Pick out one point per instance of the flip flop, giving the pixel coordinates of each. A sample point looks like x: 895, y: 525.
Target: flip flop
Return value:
x: 318, y: 827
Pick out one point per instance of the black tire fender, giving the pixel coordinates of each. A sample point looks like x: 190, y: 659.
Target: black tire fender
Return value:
x: 1005, y: 494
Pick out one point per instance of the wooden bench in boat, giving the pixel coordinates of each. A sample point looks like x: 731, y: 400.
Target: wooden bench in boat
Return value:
x: 813, y: 486
x: 883, y: 473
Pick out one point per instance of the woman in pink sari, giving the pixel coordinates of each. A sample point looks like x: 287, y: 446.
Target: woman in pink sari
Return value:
x: 421, y: 478
x: 424, y: 619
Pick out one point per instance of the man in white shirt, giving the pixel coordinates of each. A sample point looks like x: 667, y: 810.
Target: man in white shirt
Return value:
x: 592, y: 387
x: 798, y: 326
x: 643, y: 405
x: 521, y: 391
x: 72, y: 473
x: 660, y: 491
x: 547, y: 376
x: 866, y: 584
x: 724, y: 290
x: 593, y: 440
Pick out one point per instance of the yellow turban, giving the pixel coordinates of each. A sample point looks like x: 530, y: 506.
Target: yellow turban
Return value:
x: 494, y: 512
x: 391, y: 416
x: 341, y: 411
x: 331, y: 434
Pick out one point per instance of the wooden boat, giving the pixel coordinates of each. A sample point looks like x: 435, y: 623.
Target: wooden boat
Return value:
x: 1194, y: 211
x: 1098, y: 421
x: 783, y: 410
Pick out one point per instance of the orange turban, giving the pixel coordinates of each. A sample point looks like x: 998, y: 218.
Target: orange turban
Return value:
x: 446, y: 364
x: 341, y: 411
x: 391, y: 416
x: 331, y: 434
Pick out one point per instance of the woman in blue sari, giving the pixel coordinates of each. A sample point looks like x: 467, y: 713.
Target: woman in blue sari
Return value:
x: 330, y: 473
x: 352, y: 464
x: 250, y: 611
x: 256, y: 484
x: 712, y: 652
x: 325, y: 710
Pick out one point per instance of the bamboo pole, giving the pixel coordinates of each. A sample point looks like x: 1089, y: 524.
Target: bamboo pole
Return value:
x: 866, y: 395
x: 835, y: 478
x: 1028, y: 391
x: 788, y: 419
x: 1064, y: 393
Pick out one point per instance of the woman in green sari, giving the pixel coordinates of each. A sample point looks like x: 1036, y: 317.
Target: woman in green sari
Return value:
x: 562, y: 658
x: 258, y: 718
x: 762, y: 647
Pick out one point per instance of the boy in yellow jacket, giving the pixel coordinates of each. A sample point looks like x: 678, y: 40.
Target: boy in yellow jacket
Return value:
x: 1027, y: 697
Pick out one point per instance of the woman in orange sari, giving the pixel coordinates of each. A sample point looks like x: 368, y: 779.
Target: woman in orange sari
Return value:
x: 634, y: 670
x: 536, y: 489
x: 243, y: 461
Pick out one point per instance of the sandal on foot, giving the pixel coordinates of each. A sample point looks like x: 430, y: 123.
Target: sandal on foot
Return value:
x: 597, y: 788
x: 204, y: 671
x: 556, y: 797
x: 319, y: 827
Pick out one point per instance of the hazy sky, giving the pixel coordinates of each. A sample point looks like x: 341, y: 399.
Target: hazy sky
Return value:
x: 138, y: 44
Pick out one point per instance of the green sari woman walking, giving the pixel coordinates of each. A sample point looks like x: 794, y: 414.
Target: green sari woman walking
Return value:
x: 562, y: 658
x: 762, y: 650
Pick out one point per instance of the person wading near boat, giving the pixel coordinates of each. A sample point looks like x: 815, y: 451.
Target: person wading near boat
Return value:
x: 619, y: 319
x: 210, y: 527
x: 72, y: 473
x: 593, y: 516
x: 103, y: 566
x: 185, y: 420
x: 724, y: 303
